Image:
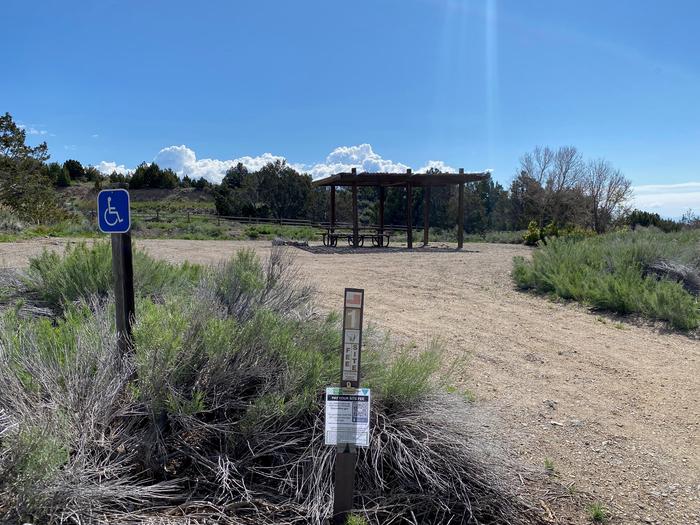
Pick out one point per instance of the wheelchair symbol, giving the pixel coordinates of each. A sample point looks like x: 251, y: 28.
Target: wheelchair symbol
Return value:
x: 111, y: 212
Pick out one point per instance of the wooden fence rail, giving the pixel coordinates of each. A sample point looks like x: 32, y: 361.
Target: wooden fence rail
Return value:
x: 158, y: 215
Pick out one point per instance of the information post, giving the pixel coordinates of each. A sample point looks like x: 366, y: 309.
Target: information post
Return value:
x: 348, y: 407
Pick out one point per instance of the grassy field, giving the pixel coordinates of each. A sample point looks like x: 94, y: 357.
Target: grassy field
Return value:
x: 646, y: 272
x: 220, y: 402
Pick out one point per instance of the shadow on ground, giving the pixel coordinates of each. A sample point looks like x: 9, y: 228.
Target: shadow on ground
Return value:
x: 348, y: 250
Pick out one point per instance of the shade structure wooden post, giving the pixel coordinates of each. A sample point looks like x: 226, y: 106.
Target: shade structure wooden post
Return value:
x: 332, y: 209
x: 382, y: 198
x: 426, y: 214
x: 460, y: 214
x: 409, y: 212
x: 355, y: 218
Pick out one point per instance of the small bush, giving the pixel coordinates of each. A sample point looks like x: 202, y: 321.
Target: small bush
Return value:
x: 502, y: 237
x: 42, y: 453
x: 549, y: 466
x: 407, y: 377
x: 612, y: 272
x: 354, y: 519
x: 85, y: 271
x: 597, y: 513
x: 577, y: 233
x: 550, y: 231
x: 63, y: 178
x: 532, y: 236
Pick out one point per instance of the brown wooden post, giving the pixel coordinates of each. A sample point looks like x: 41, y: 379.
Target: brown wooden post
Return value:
x: 355, y: 220
x: 409, y: 212
x: 123, y: 273
x: 382, y: 198
x: 460, y: 214
x: 426, y: 214
x: 332, y: 209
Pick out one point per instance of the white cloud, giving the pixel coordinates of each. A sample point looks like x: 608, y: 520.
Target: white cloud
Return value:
x: 32, y: 130
x: 439, y: 165
x: 362, y: 157
x: 95, y: 136
x: 183, y: 161
x: 108, y: 167
x: 668, y: 200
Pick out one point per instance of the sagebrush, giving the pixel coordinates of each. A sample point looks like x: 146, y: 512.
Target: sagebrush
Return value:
x: 217, y: 415
x: 645, y: 271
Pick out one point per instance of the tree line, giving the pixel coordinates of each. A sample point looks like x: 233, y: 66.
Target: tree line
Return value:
x: 552, y: 188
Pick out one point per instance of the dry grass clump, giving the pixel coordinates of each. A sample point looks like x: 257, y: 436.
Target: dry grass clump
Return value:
x: 217, y: 416
x: 9, y: 220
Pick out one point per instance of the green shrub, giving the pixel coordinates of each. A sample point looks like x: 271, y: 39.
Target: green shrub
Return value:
x: 63, y: 178
x: 549, y: 231
x: 597, y: 513
x: 40, y: 453
x: 577, y: 233
x: 243, y: 284
x: 407, y: 377
x: 503, y: 237
x: 84, y: 271
x: 220, y: 401
x: 270, y: 231
x: 611, y: 272
x: 532, y: 236
x: 354, y: 519
x: 523, y: 273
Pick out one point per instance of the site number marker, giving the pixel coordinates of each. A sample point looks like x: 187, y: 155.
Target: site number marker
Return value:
x: 348, y: 406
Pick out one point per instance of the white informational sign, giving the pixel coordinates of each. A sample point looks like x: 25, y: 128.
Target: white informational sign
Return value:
x: 347, y: 416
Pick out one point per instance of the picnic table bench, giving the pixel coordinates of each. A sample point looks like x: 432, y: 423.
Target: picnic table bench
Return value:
x: 330, y: 237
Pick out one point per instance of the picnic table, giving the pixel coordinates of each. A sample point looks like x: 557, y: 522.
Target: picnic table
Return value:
x: 331, y: 236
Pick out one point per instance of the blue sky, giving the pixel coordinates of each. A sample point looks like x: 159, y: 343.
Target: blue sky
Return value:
x: 379, y: 84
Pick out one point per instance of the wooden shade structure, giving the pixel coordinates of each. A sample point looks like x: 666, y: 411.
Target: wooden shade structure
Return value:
x: 408, y: 180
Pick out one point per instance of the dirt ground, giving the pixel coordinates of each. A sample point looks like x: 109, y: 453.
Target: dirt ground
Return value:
x: 613, y: 404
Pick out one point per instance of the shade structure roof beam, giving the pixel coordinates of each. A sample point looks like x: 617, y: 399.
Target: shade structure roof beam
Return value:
x: 416, y: 180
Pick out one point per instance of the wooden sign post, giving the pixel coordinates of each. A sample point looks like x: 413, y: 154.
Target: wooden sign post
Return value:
x: 351, y: 358
x: 114, y: 217
x: 125, y: 304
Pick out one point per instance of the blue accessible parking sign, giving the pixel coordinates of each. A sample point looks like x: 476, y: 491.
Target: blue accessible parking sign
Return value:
x: 113, y: 211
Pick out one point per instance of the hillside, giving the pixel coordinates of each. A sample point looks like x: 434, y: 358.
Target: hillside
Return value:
x: 82, y: 196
